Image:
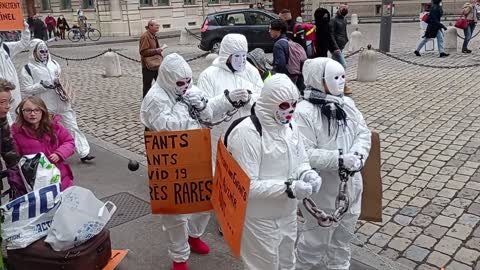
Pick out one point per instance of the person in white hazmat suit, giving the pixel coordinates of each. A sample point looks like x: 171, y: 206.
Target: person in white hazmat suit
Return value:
x: 165, y: 108
x: 8, y: 50
x: 329, y: 121
x: 41, y: 77
x: 275, y: 160
x: 227, y: 83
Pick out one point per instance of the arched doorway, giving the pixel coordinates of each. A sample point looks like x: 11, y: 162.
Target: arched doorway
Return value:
x: 292, y: 5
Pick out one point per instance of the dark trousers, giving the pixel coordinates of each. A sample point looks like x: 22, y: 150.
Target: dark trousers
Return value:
x: 148, y: 76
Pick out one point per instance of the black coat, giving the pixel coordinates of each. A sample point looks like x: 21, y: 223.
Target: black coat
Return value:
x: 338, y: 26
x: 433, y: 21
x: 324, y: 38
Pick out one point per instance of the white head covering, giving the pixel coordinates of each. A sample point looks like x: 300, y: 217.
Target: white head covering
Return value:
x: 173, y: 68
x: 231, y: 44
x: 318, y: 69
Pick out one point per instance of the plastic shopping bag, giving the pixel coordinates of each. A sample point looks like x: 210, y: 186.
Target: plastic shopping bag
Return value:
x: 37, y: 171
x: 28, y: 218
x: 79, y: 217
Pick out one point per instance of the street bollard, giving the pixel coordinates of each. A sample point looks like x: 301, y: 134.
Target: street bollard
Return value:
x: 210, y: 57
x: 355, y: 40
x: 354, y: 19
x: 451, y: 39
x: 367, y: 66
x: 111, y: 63
x: 183, y: 37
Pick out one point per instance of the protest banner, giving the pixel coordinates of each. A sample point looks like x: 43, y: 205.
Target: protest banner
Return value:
x: 179, y: 171
x: 230, y: 197
x: 11, y: 15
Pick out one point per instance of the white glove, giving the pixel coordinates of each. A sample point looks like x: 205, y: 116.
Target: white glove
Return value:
x: 314, y: 179
x: 301, y: 189
x: 25, y: 24
x: 238, y: 95
x: 194, y: 97
x: 352, y: 162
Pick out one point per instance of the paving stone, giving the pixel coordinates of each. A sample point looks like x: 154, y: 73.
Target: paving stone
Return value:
x: 426, y: 267
x: 390, y: 194
x: 459, y: 231
x: 425, y: 241
x: 473, y: 185
x: 468, y: 194
x: 441, y: 201
x: 461, y: 203
x: 420, y: 184
x: 390, y: 253
x: 360, y: 239
x: 474, y: 209
x: 410, y: 211
x: 432, y: 210
x: 435, y: 231
x: 397, y: 204
x: 448, y: 245
x: 399, y: 244
x: 467, y: 256
x: 448, y: 193
x: 461, y: 178
x: 438, y: 259
x: 419, y: 202
x: 453, y: 212
x: 476, y: 232
x: 368, y: 229
x: 458, y: 266
x: 416, y: 253
x: 473, y: 243
x: 379, y: 239
x: 406, y: 262
x: 422, y: 220
x: 402, y: 220
x: 435, y: 185
x: 469, y: 220
x: 398, y: 186
x: 390, y: 211
x: 466, y: 171
x: 410, y: 232
x: 428, y: 193
x: 441, y: 178
x: 403, y: 198
x: 455, y: 185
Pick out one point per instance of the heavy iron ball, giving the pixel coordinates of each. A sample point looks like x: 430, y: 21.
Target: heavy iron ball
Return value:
x: 133, y: 165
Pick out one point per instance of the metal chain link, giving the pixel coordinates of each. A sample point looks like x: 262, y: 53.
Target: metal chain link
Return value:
x: 354, y: 53
x: 193, y: 34
x: 129, y: 58
x: 478, y: 32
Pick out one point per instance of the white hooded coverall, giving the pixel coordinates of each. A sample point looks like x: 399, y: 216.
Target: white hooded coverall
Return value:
x: 48, y: 72
x: 270, y: 228
x: 322, y: 148
x: 218, y: 77
x: 160, y: 111
x: 7, y: 68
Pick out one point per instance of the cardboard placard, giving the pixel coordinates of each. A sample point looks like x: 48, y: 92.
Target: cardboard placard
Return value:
x: 179, y: 170
x: 11, y: 15
x: 372, y: 183
x: 230, y: 197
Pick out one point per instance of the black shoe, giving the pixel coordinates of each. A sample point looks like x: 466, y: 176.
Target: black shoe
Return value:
x: 87, y: 158
x: 444, y: 54
x: 417, y: 53
x: 466, y: 51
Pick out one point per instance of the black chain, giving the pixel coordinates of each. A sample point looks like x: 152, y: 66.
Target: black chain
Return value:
x: 354, y: 53
x: 425, y: 65
x: 129, y: 58
x: 478, y: 32
x: 193, y: 34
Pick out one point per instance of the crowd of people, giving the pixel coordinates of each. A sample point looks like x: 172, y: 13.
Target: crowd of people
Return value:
x: 291, y: 136
x: 48, y: 28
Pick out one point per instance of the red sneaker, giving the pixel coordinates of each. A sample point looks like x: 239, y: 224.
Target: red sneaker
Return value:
x: 198, y: 246
x: 180, y: 266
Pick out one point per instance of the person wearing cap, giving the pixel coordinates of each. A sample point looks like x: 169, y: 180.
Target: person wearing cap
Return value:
x: 258, y: 59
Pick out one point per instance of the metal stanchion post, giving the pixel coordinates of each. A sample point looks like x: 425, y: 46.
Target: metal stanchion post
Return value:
x: 386, y: 25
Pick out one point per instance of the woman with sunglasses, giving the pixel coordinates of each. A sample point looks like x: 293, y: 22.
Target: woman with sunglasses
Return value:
x: 41, y: 78
x: 269, y: 149
x: 35, y: 131
x: 329, y: 121
x: 166, y: 108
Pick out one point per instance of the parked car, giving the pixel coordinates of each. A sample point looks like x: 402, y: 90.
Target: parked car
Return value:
x: 252, y: 23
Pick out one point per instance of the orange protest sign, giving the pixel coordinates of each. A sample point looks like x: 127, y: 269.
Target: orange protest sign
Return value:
x: 11, y: 15
x: 115, y: 259
x: 230, y: 197
x: 179, y: 170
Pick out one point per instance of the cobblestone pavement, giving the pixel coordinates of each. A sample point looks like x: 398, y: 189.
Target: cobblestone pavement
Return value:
x: 428, y: 120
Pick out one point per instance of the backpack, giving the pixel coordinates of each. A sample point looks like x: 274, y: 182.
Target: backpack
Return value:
x: 425, y: 16
x: 296, y: 57
x: 6, y: 48
x: 310, y: 37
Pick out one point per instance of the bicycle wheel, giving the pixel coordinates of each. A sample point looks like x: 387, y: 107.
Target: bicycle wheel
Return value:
x: 94, y: 34
x: 74, y: 35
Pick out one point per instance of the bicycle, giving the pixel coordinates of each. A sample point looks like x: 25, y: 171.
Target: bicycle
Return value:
x: 76, y: 34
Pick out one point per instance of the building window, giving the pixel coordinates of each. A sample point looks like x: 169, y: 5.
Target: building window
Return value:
x: 88, y: 4
x: 46, y: 5
x: 214, y: 1
x: 163, y: 2
x: 66, y: 4
x: 378, y: 9
x: 145, y: 3
x: 240, y: 1
x: 189, y: 2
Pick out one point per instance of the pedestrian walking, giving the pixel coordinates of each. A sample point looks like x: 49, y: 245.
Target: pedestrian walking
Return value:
x: 8, y: 52
x: 338, y: 26
x: 51, y: 25
x: 434, y: 29
x: 269, y: 147
x: 62, y: 26
x: 39, y: 28
x: 35, y: 131
x: 41, y: 78
x: 165, y: 108
x: 151, y: 55
x: 295, y: 31
x: 470, y: 12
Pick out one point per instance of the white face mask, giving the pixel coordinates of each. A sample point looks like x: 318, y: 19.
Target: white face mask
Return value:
x: 334, y: 78
x: 239, y: 61
x: 182, y: 86
x: 42, y: 53
x: 285, y: 112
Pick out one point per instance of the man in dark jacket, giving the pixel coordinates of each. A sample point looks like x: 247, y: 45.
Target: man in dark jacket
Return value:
x: 338, y: 30
x: 295, y: 31
x: 434, y: 29
x: 39, y: 28
x: 278, y: 30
